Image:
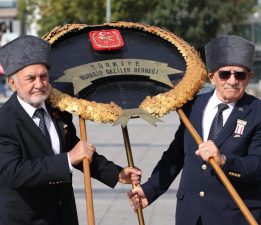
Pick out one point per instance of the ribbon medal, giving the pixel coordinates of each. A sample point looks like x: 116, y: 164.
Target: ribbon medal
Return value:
x: 240, y: 128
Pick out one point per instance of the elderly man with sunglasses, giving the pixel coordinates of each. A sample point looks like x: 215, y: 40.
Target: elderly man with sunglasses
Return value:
x: 229, y: 122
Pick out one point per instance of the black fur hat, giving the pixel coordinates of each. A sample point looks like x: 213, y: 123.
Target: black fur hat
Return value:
x: 24, y: 51
x: 229, y: 50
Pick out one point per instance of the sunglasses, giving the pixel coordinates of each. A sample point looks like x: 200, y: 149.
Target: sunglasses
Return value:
x: 239, y: 75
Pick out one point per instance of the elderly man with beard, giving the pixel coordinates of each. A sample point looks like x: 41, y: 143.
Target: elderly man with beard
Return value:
x: 38, y: 145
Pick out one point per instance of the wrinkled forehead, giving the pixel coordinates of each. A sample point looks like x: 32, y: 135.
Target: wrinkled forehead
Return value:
x: 33, y: 70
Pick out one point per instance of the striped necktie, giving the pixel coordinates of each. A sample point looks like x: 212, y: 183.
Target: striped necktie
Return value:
x: 39, y: 113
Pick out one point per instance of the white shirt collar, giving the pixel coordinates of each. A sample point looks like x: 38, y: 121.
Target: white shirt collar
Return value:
x: 214, y: 101
x: 30, y: 109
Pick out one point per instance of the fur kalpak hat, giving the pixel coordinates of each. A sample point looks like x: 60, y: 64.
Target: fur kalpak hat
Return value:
x: 229, y: 50
x: 24, y: 51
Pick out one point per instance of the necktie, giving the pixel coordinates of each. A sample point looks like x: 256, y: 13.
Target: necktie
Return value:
x: 39, y: 113
x: 217, y: 123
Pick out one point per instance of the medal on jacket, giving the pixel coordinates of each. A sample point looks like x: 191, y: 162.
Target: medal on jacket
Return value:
x: 240, y: 128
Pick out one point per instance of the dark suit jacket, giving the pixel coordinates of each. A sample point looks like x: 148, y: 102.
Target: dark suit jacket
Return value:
x: 35, y: 184
x: 201, y: 192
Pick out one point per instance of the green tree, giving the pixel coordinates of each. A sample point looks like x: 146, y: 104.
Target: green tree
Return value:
x: 196, y: 21
x: 132, y: 10
x: 59, y: 12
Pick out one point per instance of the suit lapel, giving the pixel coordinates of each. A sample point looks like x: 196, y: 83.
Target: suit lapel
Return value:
x: 196, y: 120
x: 196, y: 116
x: 239, y: 112
x: 59, y: 126
x: 27, y: 125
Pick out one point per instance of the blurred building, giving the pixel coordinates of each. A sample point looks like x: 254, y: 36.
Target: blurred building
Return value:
x: 10, y: 26
x: 251, y: 30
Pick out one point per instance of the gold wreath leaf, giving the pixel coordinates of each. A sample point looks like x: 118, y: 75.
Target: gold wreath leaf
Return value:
x: 104, y: 113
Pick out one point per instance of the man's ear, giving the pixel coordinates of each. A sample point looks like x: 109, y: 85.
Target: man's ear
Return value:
x: 11, y: 83
x: 251, y: 74
x: 210, y: 77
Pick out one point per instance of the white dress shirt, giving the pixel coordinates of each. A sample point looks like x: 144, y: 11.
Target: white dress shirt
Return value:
x: 48, y: 121
x: 210, y: 112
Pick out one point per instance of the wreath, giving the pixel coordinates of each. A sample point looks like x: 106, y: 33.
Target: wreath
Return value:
x: 158, y: 105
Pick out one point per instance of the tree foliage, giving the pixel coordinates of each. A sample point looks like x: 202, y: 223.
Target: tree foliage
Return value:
x: 59, y: 12
x: 196, y: 21
x: 132, y: 10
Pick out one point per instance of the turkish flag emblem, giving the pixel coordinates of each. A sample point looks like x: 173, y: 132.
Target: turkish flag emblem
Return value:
x: 106, y: 40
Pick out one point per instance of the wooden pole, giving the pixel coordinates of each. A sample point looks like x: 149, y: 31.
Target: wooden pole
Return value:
x: 131, y: 164
x: 87, y: 177
x: 249, y: 217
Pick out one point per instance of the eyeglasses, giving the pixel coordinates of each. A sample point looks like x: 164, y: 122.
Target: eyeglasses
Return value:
x: 239, y: 75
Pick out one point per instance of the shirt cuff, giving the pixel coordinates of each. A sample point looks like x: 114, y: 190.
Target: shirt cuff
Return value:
x: 69, y: 163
